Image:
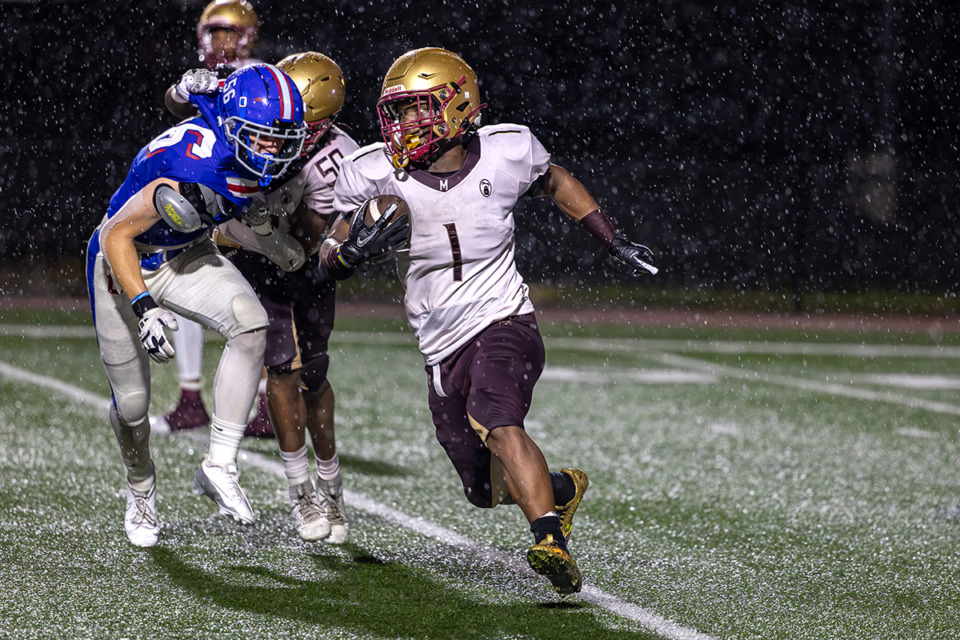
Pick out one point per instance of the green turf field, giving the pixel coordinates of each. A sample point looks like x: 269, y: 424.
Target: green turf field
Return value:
x: 744, y: 484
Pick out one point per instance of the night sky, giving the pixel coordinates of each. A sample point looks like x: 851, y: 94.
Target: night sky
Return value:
x: 798, y: 145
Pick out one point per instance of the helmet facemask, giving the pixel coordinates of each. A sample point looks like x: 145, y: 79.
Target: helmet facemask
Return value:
x: 213, y: 55
x: 315, y: 132
x: 261, y: 113
x: 414, y: 124
x: 250, y: 138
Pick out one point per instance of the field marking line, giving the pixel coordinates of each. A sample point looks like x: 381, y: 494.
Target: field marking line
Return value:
x: 652, y: 621
x: 725, y: 347
x: 830, y: 388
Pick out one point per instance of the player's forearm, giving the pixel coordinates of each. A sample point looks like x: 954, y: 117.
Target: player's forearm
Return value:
x: 308, y: 227
x: 118, y: 237
x: 177, y: 106
x: 124, y: 262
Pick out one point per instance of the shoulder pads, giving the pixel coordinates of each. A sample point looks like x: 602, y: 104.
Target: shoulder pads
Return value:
x: 512, y: 140
x: 372, y: 162
x: 176, y: 210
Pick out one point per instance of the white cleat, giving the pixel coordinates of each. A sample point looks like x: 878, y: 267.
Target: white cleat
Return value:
x: 159, y: 426
x: 221, y: 484
x: 140, y: 520
x: 309, y: 513
x: 332, y: 493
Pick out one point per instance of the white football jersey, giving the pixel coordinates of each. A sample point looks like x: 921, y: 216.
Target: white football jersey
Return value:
x: 312, y: 185
x: 460, y: 274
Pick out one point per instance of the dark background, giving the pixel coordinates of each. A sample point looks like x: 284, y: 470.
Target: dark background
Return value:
x: 754, y: 146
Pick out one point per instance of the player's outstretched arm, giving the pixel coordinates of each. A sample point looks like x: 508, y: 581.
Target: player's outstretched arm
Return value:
x: 575, y: 201
x: 194, y: 81
x: 117, y: 236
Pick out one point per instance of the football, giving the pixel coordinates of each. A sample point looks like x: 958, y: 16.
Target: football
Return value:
x: 380, y: 204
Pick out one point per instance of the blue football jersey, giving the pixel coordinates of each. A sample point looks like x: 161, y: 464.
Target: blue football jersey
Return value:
x: 192, y: 151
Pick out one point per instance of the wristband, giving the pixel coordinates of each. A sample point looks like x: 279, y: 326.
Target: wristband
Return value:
x: 599, y: 226
x: 341, y: 260
x: 143, y: 303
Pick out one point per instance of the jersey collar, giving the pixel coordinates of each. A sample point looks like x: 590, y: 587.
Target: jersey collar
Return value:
x: 447, y: 181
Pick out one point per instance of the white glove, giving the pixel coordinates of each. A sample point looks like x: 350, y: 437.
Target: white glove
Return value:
x: 196, y: 81
x: 282, y: 249
x: 152, y: 321
x: 257, y: 216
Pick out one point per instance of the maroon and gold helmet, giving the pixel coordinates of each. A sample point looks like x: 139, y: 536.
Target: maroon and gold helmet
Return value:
x: 237, y: 16
x: 429, y: 95
x: 321, y: 84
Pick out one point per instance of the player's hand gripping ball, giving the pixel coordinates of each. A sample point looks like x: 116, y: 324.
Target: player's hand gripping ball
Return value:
x: 379, y: 227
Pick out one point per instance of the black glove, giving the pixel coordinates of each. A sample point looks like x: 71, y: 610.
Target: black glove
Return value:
x: 635, y: 256
x: 380, y: 238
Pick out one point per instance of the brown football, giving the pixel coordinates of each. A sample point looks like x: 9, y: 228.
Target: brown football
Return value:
x: 380, y: 204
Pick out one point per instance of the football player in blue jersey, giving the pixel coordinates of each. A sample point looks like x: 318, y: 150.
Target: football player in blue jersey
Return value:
x: 226, y: 33
x: 152, y: 254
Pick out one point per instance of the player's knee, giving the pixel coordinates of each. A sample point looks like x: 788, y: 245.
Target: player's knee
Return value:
x: 249, y: 315
x: 131, y: 406
x: 478, y: 497
x: 313, y: 373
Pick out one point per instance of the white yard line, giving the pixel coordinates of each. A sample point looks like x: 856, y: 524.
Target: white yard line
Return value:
x: 732, y: 347
x: 831, y: 388
x: 656, y: 623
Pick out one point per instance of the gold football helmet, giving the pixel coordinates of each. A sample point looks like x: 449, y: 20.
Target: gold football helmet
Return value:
x: 237, y: 16
x: 321, y: 84
x: 429, y: 96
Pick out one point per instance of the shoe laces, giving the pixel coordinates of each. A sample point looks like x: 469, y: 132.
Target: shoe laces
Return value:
x: 309, y: 507
x: 145, y: 515
x: 333, y: 509
x: 232, y: 485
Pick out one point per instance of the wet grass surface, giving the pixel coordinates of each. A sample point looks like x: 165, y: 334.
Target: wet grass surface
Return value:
x: 747, y: 504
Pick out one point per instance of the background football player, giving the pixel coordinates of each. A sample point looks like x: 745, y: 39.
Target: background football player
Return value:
x: 300, y: 300
x: 464, y: 298
x: 152, y: 254
x: 226, y: 34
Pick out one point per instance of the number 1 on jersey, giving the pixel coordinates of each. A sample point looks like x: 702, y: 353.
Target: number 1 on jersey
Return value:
x: 455, y: 250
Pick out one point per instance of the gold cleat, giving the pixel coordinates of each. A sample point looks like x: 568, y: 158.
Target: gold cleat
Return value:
x: 580, y: 483
x: 553, y: 561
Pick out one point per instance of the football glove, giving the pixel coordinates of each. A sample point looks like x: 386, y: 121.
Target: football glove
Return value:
x: 196, y: 81
x: 636, y: 257
x: 153, y: 319
x: 380, y: 238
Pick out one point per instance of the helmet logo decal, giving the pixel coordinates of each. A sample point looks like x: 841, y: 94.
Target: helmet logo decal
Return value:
x: 486, y: 189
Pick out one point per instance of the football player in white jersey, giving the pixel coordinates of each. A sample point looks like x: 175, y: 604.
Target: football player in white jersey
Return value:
x: 464, y: 298
x: 226, y: 33
x: 300, y: 300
